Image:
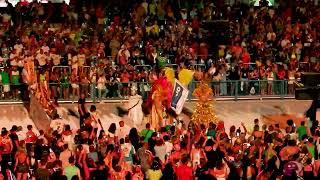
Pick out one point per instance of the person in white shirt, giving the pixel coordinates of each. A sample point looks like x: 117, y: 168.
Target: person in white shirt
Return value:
x: 95, y: 120
x: 57, y: 125
x: 121, y: 131
x: 101, y: 86
x: 74, y: 79
x: 134, y: 106
x: 285, y: 42
x: 18, y: 47
x: 196, y: 154
x: 41, y: 58
x: 45, y: 48
x: 20, y: 133
x: 68, y: 136
x: 55, y: 58
x: 168, y: 144
x: 93, y: 80
x: 20, y: 59
x: 161, y: 150
x: 13, y: 56
x: 73, y: 61
x: 14, y: 61
x: 86, y: 148
x: 125, y: 51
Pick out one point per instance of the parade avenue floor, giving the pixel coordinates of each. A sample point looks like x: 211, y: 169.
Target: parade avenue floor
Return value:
x: 231, y: 112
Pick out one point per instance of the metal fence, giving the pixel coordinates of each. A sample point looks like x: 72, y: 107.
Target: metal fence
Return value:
x: 237, y: 89
x: 249, y: 89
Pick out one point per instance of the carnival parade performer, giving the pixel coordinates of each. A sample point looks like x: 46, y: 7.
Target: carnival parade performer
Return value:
x: 204, y: 112
x: 135, y: 108
x: 159, y: 100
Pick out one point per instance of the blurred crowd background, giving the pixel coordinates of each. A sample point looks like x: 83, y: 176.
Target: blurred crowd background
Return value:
x: 105, y: 48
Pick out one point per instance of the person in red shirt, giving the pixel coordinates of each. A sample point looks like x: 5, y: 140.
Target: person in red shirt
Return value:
x: 24, y: 3
x: 203, y: 50
x: 195, y: 24
x: 183, y: 171
x: 125, y: 78
x: 99, y: 14
x: 236, y: 50
x: 245, y: 57
x: 6, y: 150
x: 31, y: 138
x: 122, y: 59
x: 281, y: 73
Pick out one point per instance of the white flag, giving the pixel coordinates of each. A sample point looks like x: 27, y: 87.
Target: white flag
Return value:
x: 179, y: 97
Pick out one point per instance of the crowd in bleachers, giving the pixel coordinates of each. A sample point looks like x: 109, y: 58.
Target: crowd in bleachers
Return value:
x: 89, y: 48
x: 108, y: 43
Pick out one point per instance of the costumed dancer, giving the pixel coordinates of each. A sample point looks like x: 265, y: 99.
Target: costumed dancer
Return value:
x: 29, y: 74
x: 159, y: 100
x: 161, y: 96
x: 204, y: 112
x: 134, y: 107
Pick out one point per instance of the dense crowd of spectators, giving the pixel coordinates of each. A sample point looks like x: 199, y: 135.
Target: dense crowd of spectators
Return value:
x: 174, y: 152
x: 100, y: 45
x: 87, y: 48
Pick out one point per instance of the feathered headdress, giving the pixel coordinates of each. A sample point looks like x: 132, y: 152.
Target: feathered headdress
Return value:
x: 164, y: 88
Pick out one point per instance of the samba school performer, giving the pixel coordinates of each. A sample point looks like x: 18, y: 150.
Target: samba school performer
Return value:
x: 132, y: 110
x: 159, y: 101
x: 161, y: 95
x: 134, y: 107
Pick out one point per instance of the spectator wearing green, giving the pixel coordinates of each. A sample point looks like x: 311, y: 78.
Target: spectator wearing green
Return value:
x: 5, y: 82
x: 211, y: 130
x: 311, y: 147
x: 72, y: 170
x: 15, y: 82
x: 15, y: 76
x: 302, y: 130
x: 147, y: 132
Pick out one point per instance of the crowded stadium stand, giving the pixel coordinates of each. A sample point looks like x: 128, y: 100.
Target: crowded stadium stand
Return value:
x: 141, y: 89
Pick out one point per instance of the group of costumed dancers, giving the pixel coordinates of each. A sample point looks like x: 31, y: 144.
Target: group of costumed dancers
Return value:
x: 158, y: 103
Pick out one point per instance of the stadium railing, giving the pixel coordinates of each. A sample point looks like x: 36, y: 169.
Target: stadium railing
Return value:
x: 223, y: 90
x: 248, y: 89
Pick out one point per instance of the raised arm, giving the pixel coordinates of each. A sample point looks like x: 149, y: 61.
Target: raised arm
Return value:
x: 244, y: 128
x: 259, y: 160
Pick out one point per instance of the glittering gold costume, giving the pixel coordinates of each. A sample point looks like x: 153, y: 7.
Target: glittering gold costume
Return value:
x: 157, y: 110
x: 204, y: 112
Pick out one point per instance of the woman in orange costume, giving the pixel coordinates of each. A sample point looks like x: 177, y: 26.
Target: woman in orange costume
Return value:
x: 159, y: 100
x: 157, y: 110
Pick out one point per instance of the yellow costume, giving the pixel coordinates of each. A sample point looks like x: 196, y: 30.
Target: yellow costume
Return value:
x: 158, y: 110
x: 204, y: 112
x: 161, y: 94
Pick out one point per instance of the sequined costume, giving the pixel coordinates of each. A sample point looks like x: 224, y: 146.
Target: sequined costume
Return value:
x: 204, y: 111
